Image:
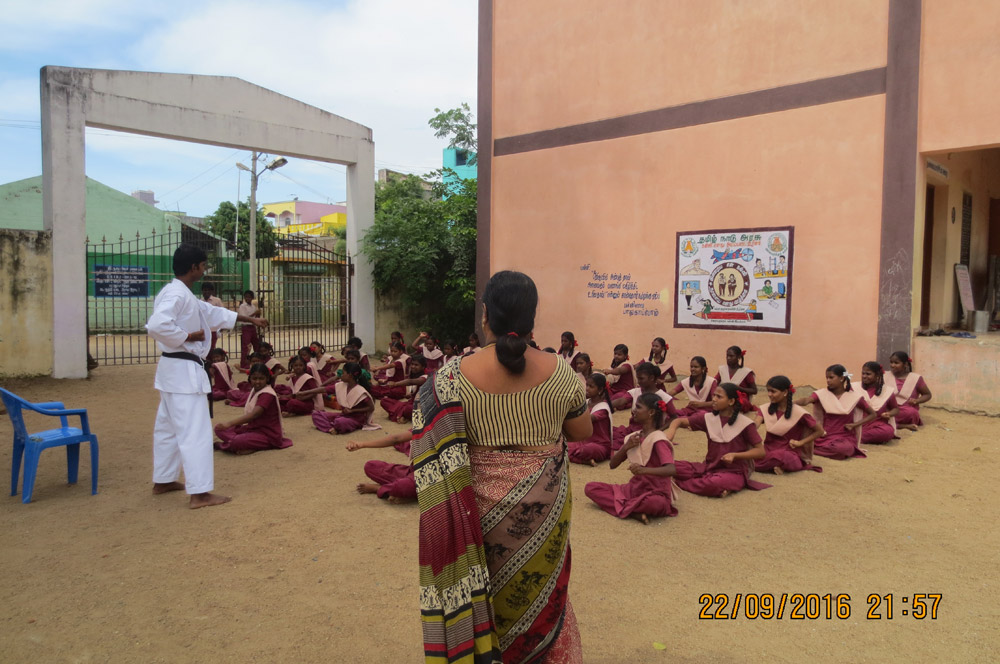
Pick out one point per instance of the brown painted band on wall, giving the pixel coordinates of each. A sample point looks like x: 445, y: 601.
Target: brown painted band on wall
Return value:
x: 484, y: 108
x: 773, y: 100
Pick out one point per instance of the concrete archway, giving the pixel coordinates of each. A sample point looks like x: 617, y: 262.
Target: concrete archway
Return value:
x: 215, y: 110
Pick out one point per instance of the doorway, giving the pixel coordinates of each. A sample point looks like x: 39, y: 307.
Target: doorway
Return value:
x: 925, y: 285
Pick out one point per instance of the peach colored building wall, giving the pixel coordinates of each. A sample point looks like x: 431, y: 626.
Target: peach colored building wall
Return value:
x: 959, y: 85
x: 563, y: 62
x: 619, y: 207
x: 617, y: 204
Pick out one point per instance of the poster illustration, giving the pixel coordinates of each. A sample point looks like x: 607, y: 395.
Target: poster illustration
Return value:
x: 735, y: 279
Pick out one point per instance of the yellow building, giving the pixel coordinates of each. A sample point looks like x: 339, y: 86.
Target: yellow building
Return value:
x: 305, y: 217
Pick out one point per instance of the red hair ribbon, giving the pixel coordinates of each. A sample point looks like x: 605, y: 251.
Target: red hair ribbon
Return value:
x: 744, y: 402
x: 880, y: 369
x: 791, y: 389
x: 591, y: 365
x: 626, y: 358
x: 661, y: 406
x: 575, y: 343
x: 512, y: 334
x: 909, y: 359
x: 742, y: 353
x: 666, y: 346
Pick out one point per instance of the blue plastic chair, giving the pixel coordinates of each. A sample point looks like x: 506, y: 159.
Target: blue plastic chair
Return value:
x: 30, y: 445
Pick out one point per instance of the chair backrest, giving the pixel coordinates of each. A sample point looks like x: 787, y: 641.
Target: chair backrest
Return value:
x: 14, y: 404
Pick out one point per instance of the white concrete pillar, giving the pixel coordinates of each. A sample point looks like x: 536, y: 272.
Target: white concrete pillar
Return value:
x: 360, y: 217
x: 64, y: 199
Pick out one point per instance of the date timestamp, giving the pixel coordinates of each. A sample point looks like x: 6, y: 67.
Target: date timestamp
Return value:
x: 814, y: 606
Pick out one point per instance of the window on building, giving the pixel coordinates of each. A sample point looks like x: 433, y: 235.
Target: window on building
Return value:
x: 461, y: 157
x: 966, y: 228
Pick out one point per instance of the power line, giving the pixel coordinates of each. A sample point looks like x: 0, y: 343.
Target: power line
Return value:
x: 304, y: 186
x: 204, y: 172
x: 193, y: 191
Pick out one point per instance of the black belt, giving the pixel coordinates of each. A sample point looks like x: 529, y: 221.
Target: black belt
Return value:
x: 181, y: 355
x: 185, y: 356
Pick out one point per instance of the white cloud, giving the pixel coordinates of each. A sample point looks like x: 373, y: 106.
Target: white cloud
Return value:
x: 384, y: 63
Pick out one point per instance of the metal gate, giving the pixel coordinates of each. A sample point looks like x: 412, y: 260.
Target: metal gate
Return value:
x: 304, y: 291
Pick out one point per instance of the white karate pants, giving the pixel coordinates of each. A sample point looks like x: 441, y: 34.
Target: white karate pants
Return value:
x: 182, y: 436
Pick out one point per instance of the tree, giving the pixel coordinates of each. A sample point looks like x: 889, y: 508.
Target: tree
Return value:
x: 423, y: 249
x: 339, y: 232
x: 458, y: 127
x: 222, y: 222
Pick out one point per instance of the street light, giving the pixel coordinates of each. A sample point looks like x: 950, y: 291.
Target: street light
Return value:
x: 254, y: 174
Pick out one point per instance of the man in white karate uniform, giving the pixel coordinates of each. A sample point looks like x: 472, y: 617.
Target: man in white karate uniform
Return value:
x: 182, y: 325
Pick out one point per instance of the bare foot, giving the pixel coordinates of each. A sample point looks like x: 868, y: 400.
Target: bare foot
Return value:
x: 724, y: 494
x: 593, y: 463
x: 778, y: 470
x: 367, y: 488
x: 641, y: 517
x: 207, y: 500
x: 166, y: 487
x: 396, y: 500
x: 908, y: 427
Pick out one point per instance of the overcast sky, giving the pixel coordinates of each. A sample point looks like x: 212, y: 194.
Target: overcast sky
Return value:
x: 384, y: 63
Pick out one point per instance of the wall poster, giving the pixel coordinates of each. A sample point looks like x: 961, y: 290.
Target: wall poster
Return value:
x: 735, y: 279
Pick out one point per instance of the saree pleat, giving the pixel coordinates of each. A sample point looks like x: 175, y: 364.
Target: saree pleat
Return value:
x: 494, y: 554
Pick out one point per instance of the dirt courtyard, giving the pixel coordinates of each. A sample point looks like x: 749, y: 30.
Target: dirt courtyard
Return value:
x: 301, y: 568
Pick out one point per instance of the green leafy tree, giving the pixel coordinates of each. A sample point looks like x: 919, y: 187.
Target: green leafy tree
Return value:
x: 423, y: 246
x: 458, y: 127
x: 339, y: 232
x: 222, y: 222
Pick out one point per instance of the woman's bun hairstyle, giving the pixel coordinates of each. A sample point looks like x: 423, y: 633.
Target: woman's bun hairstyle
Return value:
x: 511, y: 299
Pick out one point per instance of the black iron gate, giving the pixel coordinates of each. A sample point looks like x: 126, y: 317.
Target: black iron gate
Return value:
x: 304, y: 291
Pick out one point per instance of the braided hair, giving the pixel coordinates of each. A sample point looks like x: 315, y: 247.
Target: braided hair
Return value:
x: 261, y: 368
x: 662, y: 342
x: 651, y: 400
x: 620, y: 348
x: 739, y: 353
x: 600, y: 381
x: 568, y: 336
x: 879, y: 372
x: 732, y: 392
x: 358, y: 374
x: 840, y: 370
x: 903, y: 357
x: 781, y: 383
x: 700, y: 361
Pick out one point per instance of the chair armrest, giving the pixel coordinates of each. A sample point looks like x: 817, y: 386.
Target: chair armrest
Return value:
x: 48, y: 405
x: 61, y: 413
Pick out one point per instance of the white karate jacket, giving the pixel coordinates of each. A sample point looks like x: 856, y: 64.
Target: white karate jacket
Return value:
x: 176, y: 312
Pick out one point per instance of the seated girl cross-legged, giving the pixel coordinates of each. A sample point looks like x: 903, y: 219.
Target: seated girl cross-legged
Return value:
x: 259, y: 428
x: 355, y: 401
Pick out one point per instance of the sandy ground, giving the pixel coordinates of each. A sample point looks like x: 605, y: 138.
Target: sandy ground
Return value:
x: 301, y: 568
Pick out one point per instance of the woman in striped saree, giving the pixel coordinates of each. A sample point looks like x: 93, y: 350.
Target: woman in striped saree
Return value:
x: 490, y: 465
